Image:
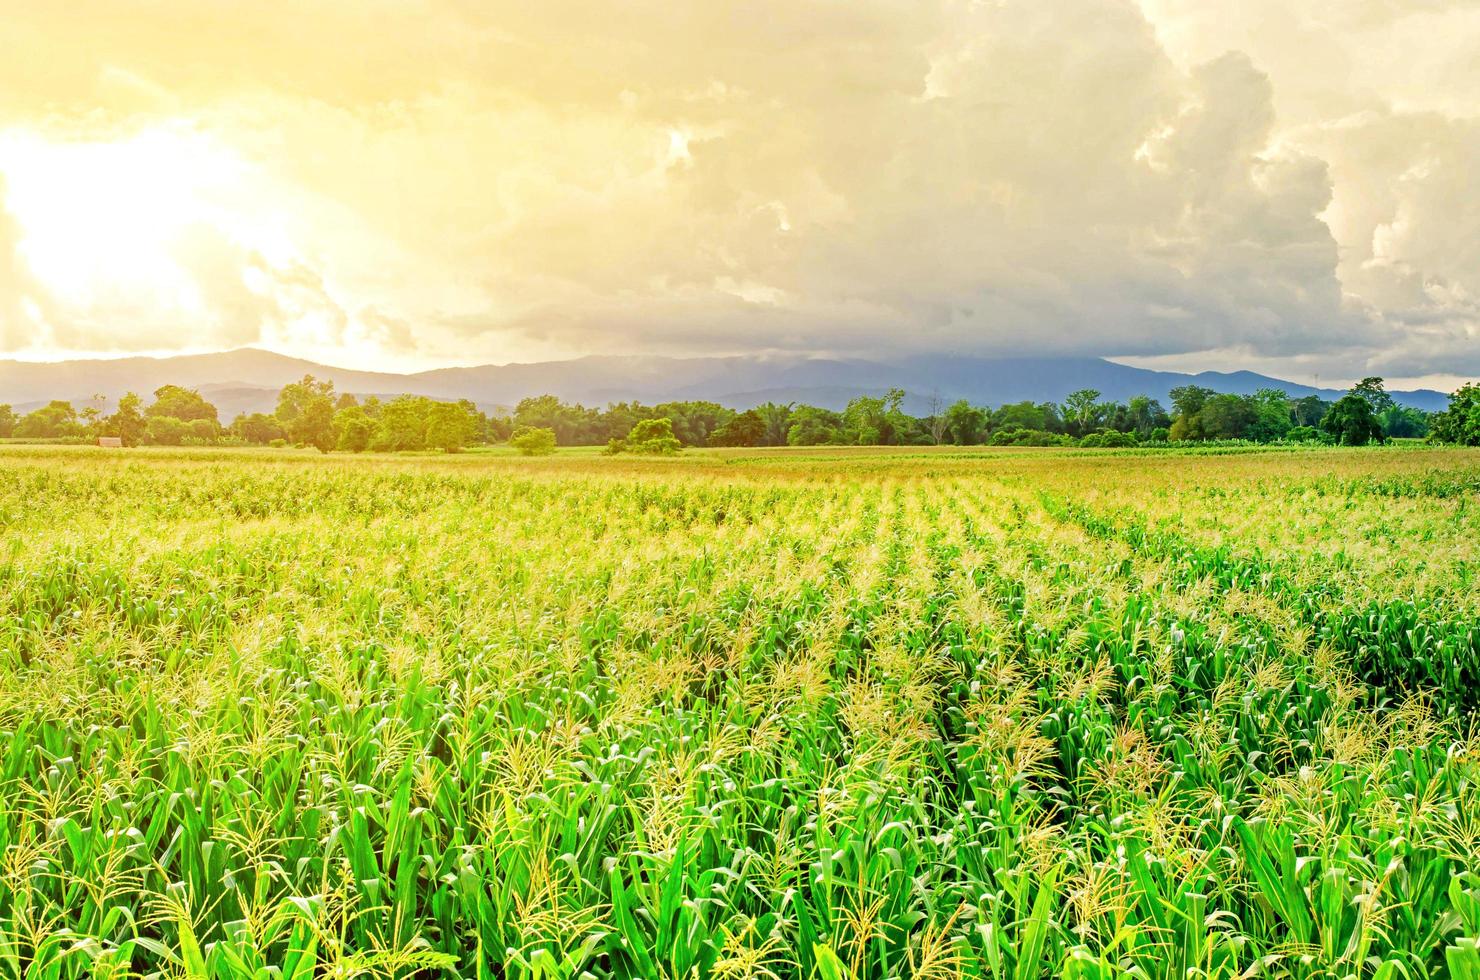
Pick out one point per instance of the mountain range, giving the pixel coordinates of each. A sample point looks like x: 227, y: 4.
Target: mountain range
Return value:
x: 247, y: 380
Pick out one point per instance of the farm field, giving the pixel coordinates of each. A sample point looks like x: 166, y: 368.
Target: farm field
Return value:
x: 999, y: 714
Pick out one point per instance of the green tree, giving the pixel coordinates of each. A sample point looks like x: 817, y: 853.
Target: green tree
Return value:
x: 7, y: 421
x: 1272, y: 419
x: 1309, y: 411
x: 305, y: 410
x: 55, y: 420
x: 1145, y: 415
x: 1460, y: 422
x: 451, y: 426
x: 127, y: 421
x: 202, y: 432
x: 1399, y: 422
x: 1371, y: 391
x: 403, y: 425
x: 1187, y: 406
x: 257, y: 428
x: 693, y: 422
x: 652, y: 437
x: 1021, y: 415
x: 572, y: 424
x: 813, y: 426
x: 533, y: 441
x: 869, y: 421
x: 745, y: 429
x: 1351, y: 421
x: 166, y: 430
x: 778, y: 422
x: 1083, y: 411
x: 185, y: 404
x: 1227, y: 416
x: 353, y: 429
x: 965, y: 424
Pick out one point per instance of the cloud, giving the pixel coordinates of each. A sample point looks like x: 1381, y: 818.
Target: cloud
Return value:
x: 19, y: 297
x: 491, y: 180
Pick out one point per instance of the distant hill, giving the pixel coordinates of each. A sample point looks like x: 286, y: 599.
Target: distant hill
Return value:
x: 247, y: 380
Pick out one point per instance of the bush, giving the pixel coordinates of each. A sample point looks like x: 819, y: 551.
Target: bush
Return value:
x: 650, y: 437
x: 166, y: 430
x: 1159, y: 434
x: 202, y: 432
x: 1014, y: 436
x: 533, y: 441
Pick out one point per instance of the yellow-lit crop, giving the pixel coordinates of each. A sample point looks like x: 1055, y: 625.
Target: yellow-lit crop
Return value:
x: 836, y: 714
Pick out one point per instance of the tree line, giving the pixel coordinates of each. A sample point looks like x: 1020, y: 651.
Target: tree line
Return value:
x: 310, y: 412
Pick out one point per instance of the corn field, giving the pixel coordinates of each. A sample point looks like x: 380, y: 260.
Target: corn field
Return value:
x: 985, y: 714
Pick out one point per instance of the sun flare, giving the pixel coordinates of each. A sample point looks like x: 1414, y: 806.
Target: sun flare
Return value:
x: 108, y: 222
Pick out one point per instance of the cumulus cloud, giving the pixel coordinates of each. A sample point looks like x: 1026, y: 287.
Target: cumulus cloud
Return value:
x: 491, y: 180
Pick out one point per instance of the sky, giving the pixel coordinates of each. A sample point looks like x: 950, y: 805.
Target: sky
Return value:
x: 1282, y: 185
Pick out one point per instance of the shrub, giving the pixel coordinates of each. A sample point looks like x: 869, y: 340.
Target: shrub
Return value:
x: 532, y: 441
x: 166, y: 430
x: 651, y: 437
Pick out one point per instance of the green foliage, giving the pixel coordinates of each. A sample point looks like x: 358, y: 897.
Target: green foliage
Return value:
x: 1309, y: 411
x: 1083, y: 412
x: 1305, y: 433
x: 57, y: 419
x: 532, y: 441
x: 869, y: 421
x: 693, y: 423
x: 185, y: 404
x: 778, y: 422
x: 1226, y: 416
x: 1351, y: 422
x: 745, y: 429
x: 166, y: 430
x: 258, y: 428
x: 965, y: 424
x: 127, y: 422
x: 1013, y: 436
x: 7, y: 421
x: 353, y: 429
x: 1460, y: 422
x: 1141, y: 415
x: 651, y: 437
x: 1188, y: 400
x: 1374, y: 393
x: 811, y: 426
x: 1023, y: 415
x: 1403, y: 423
x: 1271, y: 416
x: 452, y: 426
x: 1002, y: 716
x: 305, y: 410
